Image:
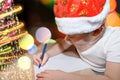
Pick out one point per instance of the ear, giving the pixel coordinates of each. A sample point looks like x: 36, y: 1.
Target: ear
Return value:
x: 96, y: 32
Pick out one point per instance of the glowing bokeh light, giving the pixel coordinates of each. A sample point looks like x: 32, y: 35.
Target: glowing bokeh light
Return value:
x: 43, y: 34
x: 48, y: 3
x: 26, y: 42
x: 52, y: 41
x: 24, y: 63
x: 1, y: 1
x: 33, y: 50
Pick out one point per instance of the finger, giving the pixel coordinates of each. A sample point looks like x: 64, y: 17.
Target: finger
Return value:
x: 39, y: 78
x: 45, y: 59
x: 35, y: 62
x: 36, y: 59
x: 42, y: 74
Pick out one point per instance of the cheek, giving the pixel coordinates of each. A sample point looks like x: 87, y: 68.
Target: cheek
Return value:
x: 75, y: 40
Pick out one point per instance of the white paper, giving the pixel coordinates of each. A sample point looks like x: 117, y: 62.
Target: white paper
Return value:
x: 64, y: 63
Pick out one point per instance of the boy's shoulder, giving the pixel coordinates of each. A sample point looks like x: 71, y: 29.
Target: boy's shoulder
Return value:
x: 113, y: 30
x: 112, y: 33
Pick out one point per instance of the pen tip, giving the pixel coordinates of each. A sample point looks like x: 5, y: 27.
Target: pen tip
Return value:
x: 39, y: 66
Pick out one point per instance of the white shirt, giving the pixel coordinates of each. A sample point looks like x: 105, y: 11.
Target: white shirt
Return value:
x: 106, y: 49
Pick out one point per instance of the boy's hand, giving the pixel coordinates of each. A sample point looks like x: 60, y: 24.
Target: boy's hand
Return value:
x: 38, y: 61
x: 53, y: 75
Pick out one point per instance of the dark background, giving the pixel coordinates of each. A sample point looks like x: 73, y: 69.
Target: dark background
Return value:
x: 36, y: 15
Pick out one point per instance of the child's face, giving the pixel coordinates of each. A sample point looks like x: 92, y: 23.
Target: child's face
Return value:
x: 78, y: 37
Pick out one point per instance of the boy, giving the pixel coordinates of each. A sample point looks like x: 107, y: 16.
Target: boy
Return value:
x: 82, y: 21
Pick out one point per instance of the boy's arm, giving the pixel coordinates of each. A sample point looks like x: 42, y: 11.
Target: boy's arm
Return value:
x: 57, y: 48
x: 52, y: 50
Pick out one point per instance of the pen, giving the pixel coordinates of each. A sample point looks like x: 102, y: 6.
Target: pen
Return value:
x: 43, y: 53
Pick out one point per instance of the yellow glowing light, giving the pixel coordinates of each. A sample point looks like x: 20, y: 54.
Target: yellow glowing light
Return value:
x: 26, y: 42
x: 52, y: 41
x: 1, y: 1
x: 24, y: 63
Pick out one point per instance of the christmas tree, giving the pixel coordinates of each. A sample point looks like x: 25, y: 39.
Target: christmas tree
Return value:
x: 12, y: 56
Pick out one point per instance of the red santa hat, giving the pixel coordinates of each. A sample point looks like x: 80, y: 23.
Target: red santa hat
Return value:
x: 80, y: 16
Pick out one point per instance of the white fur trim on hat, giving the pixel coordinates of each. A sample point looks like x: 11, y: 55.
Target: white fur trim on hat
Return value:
x: 78, y: 25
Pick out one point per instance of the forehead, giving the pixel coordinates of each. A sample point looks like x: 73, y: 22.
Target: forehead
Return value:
x: 78, y: 35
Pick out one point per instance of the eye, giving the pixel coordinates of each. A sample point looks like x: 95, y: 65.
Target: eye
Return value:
x: 71, y: 37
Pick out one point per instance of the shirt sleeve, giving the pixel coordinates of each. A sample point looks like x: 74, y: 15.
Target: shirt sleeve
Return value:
x: 113, y: 48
